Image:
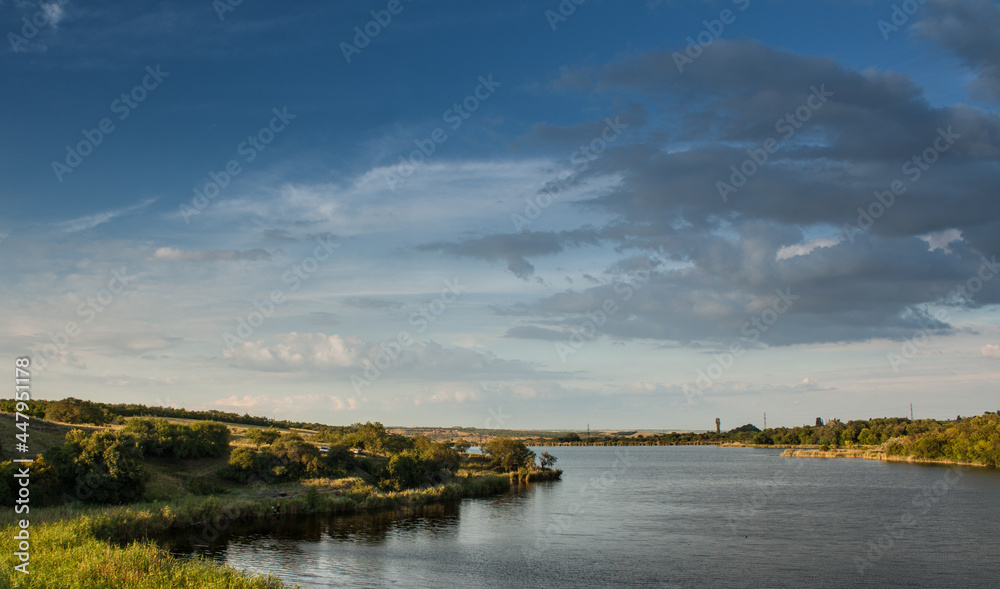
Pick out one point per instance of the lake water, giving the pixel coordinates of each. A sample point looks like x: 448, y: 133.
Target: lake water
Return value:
x: 667, y: 517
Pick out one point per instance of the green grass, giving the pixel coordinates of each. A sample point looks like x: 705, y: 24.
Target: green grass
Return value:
x: 67, y: 555
x: 42, y: 435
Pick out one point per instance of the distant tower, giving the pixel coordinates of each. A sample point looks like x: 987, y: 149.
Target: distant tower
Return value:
x: 718, y: 425
x: 765, y: 420
x: 911, y: 411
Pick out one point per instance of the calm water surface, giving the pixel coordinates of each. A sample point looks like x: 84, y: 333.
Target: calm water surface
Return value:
x: 661, y: 517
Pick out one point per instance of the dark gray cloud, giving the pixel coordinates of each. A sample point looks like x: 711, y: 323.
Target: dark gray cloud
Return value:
x: 859, y: 133
x: 838, y: 293
x: 514, y: 249
x: 535, y: 332
x: 280, y: 235
x: 968, y: 28
x: 372, y: 304
x: 570, y: 136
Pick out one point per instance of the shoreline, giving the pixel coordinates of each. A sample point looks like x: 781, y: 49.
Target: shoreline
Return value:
x: 872, y: 454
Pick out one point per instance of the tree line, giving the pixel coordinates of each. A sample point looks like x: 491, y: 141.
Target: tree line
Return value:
x: 971, y: 439
x: 396, y: 462
x: 72, y: 410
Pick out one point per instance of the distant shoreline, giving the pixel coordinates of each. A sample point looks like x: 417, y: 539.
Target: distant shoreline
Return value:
x: 871, y: 454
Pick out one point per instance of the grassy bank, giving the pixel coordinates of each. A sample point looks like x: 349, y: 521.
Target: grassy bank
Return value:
x: 101, y: 547
x: 534, y: 475
x: 67, y: 555
x: 138, y: 521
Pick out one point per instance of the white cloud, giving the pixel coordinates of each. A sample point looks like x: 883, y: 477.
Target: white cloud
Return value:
x: 991, y: 351
x: 173, y: 254
x: 301, y: 350
x: 54, y: 12
x: 454, y: 392
x: 270, y: 405
x: 334, y: 353
x: 435, y: 195
x: 801, y: 249
x: 941, y: 239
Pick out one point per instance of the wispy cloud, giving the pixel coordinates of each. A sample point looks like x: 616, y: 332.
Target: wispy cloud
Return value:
x: 91, y: 221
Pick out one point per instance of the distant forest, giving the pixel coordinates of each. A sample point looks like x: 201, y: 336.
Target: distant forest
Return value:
x: 974, y: 440
x: 970, y: 439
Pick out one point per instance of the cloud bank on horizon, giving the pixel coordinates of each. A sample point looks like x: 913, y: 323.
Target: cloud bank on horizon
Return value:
x: 639, y: 214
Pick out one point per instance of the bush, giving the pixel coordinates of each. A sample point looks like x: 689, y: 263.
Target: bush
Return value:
x: 404, y: 471
x: 103, y: 467
x: 160, y: 438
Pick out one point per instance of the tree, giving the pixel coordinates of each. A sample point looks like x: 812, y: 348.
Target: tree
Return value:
x: 436, y: 456
x: 103, y: 467
x: 547, y: 460
x: 372, y: 436
x: 72, y: 410
x: 297, y: 458
x: 509, y: 454
x: 262, y: 437
x: 404, y: 472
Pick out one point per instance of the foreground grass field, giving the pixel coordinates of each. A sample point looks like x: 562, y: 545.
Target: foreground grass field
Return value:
x: 66, y: 555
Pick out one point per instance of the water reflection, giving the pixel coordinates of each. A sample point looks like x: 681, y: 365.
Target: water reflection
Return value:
x: 288, y: 532
x: 666, y: 520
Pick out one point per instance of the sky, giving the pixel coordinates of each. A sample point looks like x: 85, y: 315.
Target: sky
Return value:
x: 630, y: 214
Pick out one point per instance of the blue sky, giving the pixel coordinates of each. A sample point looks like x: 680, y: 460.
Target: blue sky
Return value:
x: 215, y: 208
